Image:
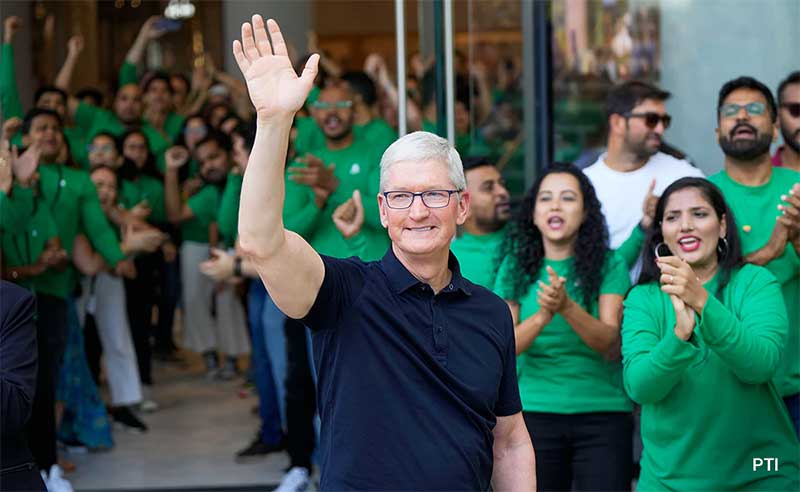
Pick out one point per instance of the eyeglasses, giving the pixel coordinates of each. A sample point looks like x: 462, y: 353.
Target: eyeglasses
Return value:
x: 651, y: 119
x: 331, y: 105
x: 430, y: 198
x: 794, y: 109
x: 732, y: 109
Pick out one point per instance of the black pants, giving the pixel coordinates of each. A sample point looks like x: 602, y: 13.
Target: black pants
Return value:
x: 167, y: 301
x: 141, y: 296
x: 301, y: 400
x: 51, y: 339
x: 588, y: 451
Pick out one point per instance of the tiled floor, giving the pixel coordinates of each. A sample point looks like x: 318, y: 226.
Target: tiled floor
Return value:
x: 191, y: 442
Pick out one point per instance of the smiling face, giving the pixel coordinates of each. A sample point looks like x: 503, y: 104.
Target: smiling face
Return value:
x: 559, y: 213
x: 105, y: 181
x: 419, y: 230
x: 743, y: 135
x: 330, y: 114
x: 691, y: 228
x: 45, y: 132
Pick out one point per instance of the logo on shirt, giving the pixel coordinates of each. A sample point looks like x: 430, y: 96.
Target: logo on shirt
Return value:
x: 355, y: 168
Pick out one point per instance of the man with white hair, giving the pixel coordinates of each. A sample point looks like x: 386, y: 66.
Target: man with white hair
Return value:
x: 417, y: 384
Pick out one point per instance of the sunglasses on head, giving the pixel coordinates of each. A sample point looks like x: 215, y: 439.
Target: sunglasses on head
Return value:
x: 794, y: 109
x: 753, y: 109
x: 651, y: 119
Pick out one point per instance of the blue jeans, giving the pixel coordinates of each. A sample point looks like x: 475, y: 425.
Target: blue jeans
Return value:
x: 793, y: 405
x: 268, y: 401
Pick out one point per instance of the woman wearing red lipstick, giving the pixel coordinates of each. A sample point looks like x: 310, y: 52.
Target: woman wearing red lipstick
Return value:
x: 565, y: 290
x: 702, y: 337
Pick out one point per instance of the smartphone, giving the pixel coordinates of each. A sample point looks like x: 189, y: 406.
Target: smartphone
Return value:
x: 168, y: 25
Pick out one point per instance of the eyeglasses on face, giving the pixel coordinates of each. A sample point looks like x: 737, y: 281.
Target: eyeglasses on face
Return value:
x: 732, y: 109
x: 651, y: 119
x: 332, y: 105
x: 793, y: 108
x: 430, y: 198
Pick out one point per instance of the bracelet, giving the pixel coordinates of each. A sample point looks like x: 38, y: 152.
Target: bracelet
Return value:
x: 237, y: 266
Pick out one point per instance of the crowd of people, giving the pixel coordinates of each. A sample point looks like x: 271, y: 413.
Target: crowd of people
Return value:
x: 635, y: 283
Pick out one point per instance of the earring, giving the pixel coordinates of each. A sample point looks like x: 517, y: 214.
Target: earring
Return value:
x: 722, y: 247
x: 658, y: 246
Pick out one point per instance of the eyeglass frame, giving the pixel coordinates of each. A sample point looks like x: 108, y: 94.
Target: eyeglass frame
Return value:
x: 421, y: 196
x: 665, y: 119
x: 747, y: 107
x: 346, y: 104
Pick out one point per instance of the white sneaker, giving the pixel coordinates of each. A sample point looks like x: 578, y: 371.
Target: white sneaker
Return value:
x: 148, y: 406
x: 56, y: 482
x: 295, y: 480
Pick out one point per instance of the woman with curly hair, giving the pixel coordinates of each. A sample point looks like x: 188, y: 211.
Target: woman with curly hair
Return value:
x: 702, y: 338
x: 565, y: 290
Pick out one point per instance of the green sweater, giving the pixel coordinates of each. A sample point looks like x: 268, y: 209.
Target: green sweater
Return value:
x: 755, y: 209
x: 476, y: 256
x: 708, y: 405
x: 559, y: 373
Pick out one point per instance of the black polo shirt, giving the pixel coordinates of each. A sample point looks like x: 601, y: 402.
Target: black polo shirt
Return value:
x: 409, y: 384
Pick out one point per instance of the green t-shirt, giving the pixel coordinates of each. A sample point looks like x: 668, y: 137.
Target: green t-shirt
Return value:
x: 14, y: 212
x: 357, y: 167
x: 476, y: 256
x: 204, y: 205
x: 378, y: 133
x: 228, y: 215
x: 559, y: 373
x: 755, y: 209
x: 23, y: 249
x: 708, y: 404
x: 144, y: 188
x: 72, y: 200
x: 309, y: 135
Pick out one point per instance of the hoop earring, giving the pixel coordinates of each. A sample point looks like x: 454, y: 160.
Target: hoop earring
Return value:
x: 722, y: 248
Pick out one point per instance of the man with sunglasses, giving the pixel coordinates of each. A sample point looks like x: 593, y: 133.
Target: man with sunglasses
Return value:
x: 634, y: 170
x: 766, y: 203
x: 416, y: 367
x: 788, y: 154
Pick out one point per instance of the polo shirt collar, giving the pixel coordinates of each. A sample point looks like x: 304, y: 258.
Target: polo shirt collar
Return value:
x: 400, y: 279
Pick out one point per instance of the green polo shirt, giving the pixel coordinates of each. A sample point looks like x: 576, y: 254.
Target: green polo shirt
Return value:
x: 476, y: 256
x: 204, y: 205
x: 24, y: 248
x: 559, y: 373
x: 755, y: 209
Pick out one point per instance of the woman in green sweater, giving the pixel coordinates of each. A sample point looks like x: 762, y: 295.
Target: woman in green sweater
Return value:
x: 701, y: 339
x: 565, y: 290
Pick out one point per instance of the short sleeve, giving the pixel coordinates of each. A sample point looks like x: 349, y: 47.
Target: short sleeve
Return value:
x: 204, y: 205
x: 344, y: 279
x: 508, y: 400
x: 615, y: 277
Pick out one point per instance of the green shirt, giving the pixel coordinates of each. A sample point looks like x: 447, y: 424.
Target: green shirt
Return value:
x: 559, y: 373
x: 14, y: 212
x: 145, y: 188
x: 174, y: 122
x: 708, y: 405
x: 476, y: 256
x: 24, y: 248
x: 357, y: 167
x: 309, y: 135
x: 378, y: 133
x: 755, y: 209
x: 204, y: 205
x: 228, y: 216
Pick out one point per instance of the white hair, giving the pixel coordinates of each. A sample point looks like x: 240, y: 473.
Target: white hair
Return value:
x: 424, y: 146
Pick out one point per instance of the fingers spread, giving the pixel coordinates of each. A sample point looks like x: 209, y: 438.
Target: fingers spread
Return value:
x: 262, y: 41
x: 278, y: 44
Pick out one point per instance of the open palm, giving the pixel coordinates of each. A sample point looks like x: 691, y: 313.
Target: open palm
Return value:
x: 274, y: 87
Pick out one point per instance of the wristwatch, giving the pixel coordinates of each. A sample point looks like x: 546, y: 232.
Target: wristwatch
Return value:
x: 237, y: 266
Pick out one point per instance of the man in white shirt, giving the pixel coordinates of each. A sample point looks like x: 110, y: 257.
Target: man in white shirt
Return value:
x: 622, y: 176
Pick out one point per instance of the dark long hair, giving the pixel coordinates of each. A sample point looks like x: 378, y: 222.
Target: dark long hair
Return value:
x: 128, y: 170
x: 729, y: 254
x: 523, y: 241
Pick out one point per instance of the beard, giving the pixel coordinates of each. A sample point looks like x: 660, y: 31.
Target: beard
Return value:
x: 214, y: 177
x: 792, y: 141
x: 745, y: 150
x: 642, y: 149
